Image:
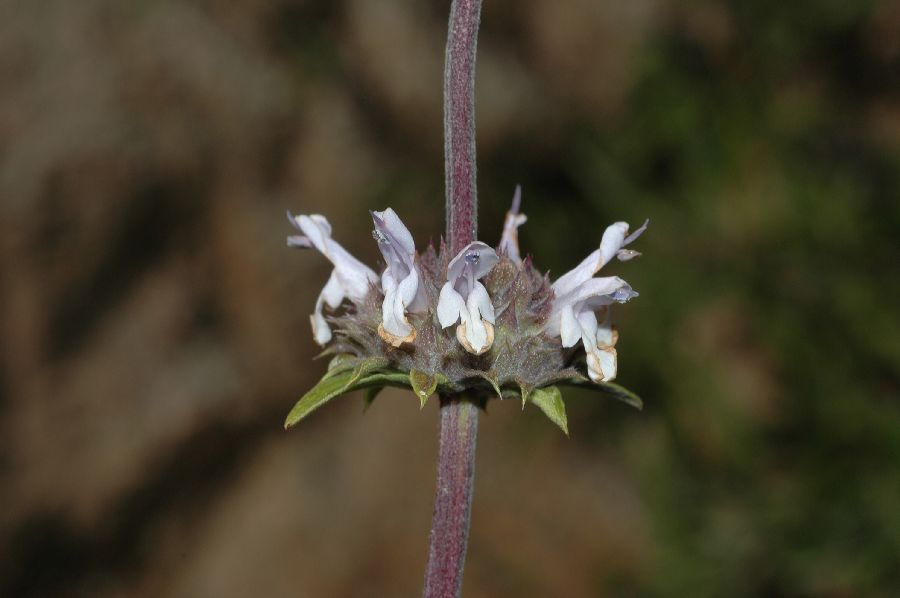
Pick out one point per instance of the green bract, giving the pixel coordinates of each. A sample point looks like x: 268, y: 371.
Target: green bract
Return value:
x: 347, y: 373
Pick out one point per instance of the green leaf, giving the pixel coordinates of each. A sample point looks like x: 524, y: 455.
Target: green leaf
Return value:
x: 375, y: 383
x: 335, y: 383
x: 614, y: 390
x: 393, y: 378
x: 369, y: 396
x: 340, y: 363
x: 327, y: 388
x: 423, y: 385
x: 367, y: 366
x: 623, y: 394
x: 549, y: 400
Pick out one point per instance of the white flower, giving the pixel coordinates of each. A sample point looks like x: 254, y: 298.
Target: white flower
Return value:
x: 464, y: 298
x: 509, y: 242
x: 400, y: 280
x: 579, y: 298
x: 350, y: 278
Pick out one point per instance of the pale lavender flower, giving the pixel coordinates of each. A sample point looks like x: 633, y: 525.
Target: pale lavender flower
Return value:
x: 509, y: 242
x: 400, y: 281
x: 350, y: 278
x: 464, y: 299
x: 579, y: 298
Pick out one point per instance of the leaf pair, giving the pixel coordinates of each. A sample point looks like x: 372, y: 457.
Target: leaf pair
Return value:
x: 549, y: 399
x: 346, y: 373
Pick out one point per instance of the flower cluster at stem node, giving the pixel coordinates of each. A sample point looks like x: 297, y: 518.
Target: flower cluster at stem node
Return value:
x: 481, y: 322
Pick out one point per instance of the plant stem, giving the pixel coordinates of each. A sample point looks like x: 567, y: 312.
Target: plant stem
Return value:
x: 453, y: 500
x: 459, y: 124
x: 459, y: 418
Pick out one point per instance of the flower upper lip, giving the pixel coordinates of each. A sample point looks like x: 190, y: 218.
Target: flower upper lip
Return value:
x: 579, y: 297
x: 397, y: 248
x: 611, y: 245
x: 509, y: 241
x: 469, y: 265
x: 349, y: 279
x: 400, y: 280
x: 464, y: 299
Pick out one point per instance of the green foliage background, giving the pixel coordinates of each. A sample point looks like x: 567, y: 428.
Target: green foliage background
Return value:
x: 766, y: 338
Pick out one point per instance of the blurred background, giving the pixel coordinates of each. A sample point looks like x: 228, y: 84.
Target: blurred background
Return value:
x: 155, y: 327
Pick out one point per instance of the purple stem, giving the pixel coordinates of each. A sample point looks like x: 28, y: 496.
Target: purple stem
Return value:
x: 453, y: 500
x: 459, y: 124
x: 459, y: 418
